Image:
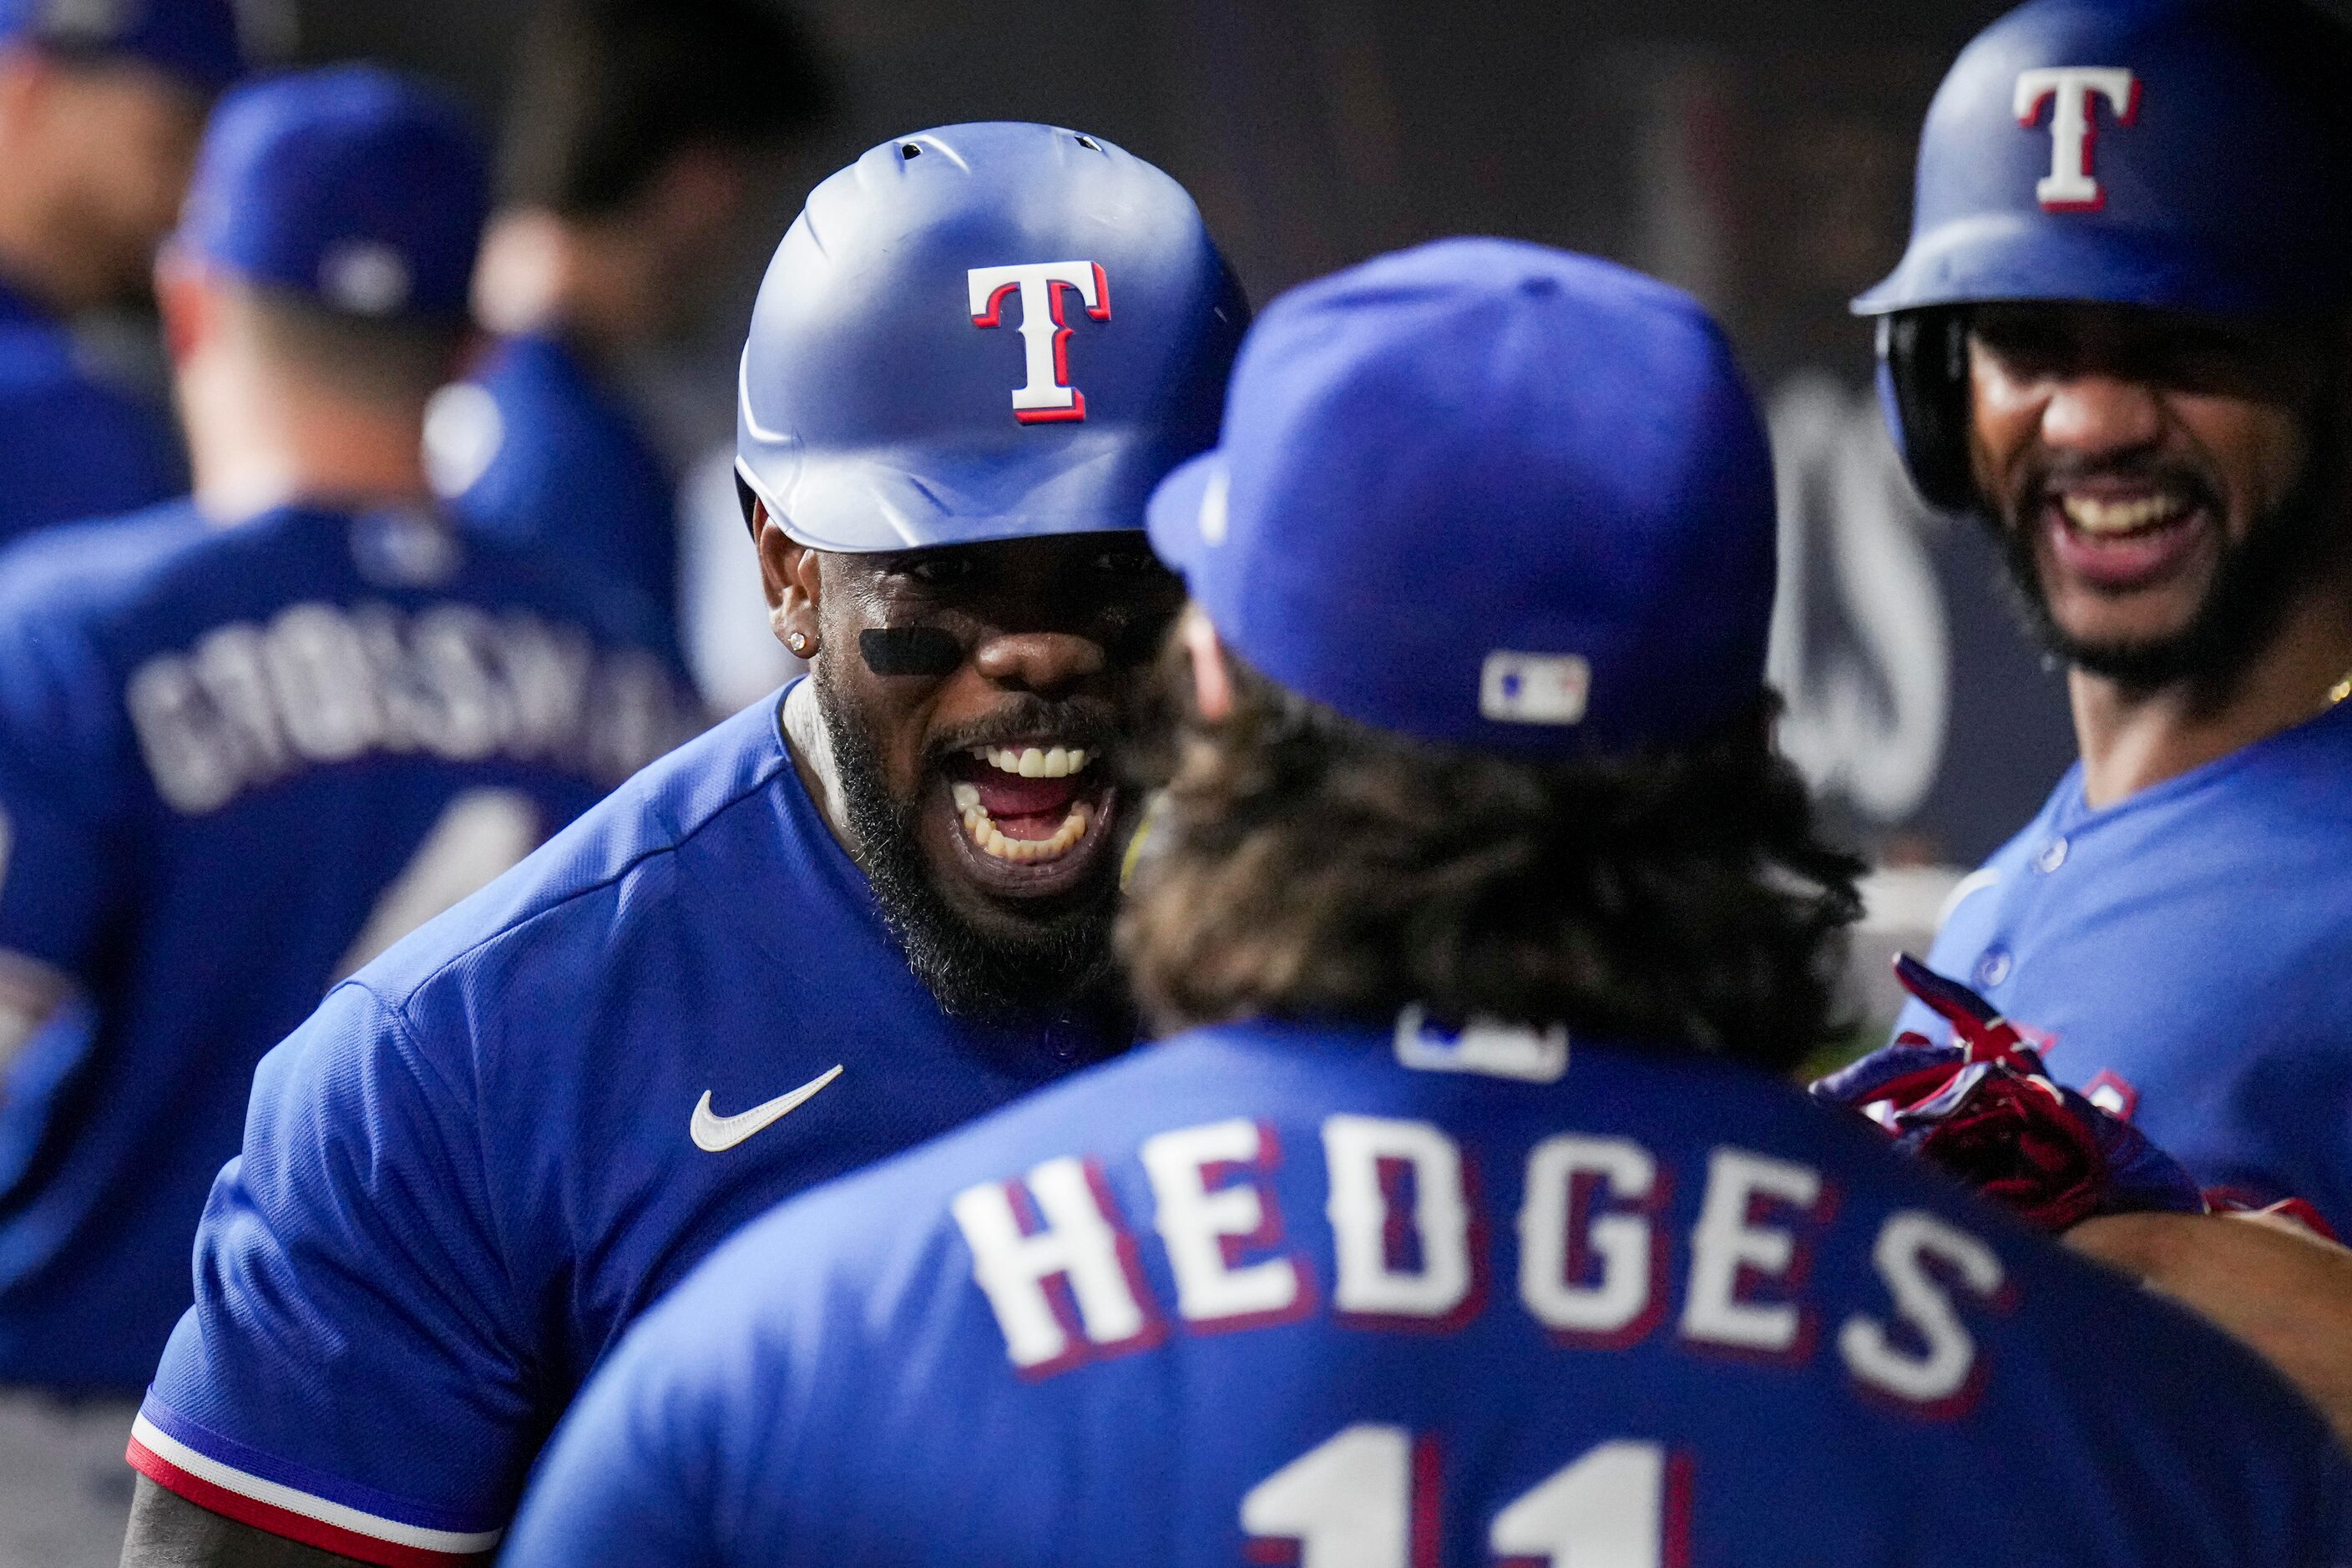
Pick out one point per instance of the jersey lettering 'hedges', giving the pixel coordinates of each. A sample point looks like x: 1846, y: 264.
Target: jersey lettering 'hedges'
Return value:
x: 325, y: 683
x: 1057, y: 1260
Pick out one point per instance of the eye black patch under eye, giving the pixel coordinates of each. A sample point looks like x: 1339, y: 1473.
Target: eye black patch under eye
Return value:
x: 909, y: 650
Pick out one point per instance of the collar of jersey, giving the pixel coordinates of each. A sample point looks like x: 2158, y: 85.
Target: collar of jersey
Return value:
x: 2330, y: 726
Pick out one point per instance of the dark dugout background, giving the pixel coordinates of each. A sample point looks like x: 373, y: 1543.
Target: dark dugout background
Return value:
x: 1758, y: 153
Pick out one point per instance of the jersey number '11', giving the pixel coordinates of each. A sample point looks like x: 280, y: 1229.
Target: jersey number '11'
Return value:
x: 1366, y: 1498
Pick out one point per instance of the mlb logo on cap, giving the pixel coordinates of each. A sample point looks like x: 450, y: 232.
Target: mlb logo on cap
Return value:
x: 1535, y: 688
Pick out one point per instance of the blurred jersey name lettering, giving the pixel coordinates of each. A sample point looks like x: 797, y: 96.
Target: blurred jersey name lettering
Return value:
x: 254, y: 702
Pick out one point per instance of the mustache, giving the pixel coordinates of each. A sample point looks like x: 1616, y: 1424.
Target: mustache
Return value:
x: 1089, y: 722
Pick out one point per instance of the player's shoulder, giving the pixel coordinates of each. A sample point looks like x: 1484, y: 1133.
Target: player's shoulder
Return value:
x: 535, y: 374
x: 51, y: 404
x: 83, y: 570
x: 610, y: 871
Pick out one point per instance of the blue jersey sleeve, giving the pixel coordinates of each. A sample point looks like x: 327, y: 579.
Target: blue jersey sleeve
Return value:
x: 352, y: 1356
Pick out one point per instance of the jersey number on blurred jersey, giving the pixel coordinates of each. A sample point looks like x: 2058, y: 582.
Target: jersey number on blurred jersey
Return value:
x: 1368, y: 1497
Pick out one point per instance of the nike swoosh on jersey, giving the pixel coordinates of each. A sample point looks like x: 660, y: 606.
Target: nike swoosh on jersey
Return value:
x: 716, y: 1134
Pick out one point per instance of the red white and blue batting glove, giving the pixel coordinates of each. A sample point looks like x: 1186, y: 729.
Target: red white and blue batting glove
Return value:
x: 1985, y: 1109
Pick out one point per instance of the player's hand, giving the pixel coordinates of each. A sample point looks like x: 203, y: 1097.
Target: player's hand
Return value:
x: 1985, y: 1109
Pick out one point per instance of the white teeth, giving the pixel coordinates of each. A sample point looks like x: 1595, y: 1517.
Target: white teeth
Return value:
x: 967, y: 798
x: 2094, y: 516
x: 1031, y: 762
x: 1025, y: 851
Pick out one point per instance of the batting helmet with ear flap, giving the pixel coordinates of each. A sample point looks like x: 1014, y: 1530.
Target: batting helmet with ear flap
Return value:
x: 983, y: 332
x: 2191, y: 156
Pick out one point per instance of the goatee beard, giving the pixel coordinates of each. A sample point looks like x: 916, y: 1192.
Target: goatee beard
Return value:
x: 2296, y: 547
x: 1065, y: 969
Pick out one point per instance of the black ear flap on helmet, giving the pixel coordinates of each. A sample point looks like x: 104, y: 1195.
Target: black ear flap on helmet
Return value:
x: 1923, y: 383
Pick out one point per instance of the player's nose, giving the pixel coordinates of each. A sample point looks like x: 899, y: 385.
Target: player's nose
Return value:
x: 2097, y: 413
x: 1038, y: 661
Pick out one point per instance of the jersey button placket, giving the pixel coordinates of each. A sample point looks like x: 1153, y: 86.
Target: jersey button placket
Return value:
x: 2053, y: 856
x: 1993, y: 967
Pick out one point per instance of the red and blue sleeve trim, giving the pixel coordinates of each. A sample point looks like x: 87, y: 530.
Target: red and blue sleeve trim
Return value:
x: 226, y: 1479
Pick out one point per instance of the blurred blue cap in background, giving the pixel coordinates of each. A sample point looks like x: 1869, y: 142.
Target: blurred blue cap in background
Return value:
x: 356, y: 187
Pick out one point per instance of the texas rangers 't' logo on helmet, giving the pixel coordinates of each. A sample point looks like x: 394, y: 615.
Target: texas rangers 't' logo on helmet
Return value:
x: 1047, y: 395
x: 2071, y: 185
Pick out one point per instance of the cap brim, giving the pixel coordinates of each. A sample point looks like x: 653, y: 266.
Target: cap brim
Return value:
x: 1174, y: 517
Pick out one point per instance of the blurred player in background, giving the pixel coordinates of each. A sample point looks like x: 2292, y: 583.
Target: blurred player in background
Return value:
x: 857, y: 914
x: 2122, y: 336
x: 101, y: 106
x: 250, y: 739
x: 635, y: 150
x: 1485, y: 1228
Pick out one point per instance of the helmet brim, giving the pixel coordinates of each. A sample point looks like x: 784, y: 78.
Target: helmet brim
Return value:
x: 2010, y: 257
x: 921, y: 496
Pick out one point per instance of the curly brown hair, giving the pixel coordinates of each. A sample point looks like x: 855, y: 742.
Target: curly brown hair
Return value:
x: 1299, y: 864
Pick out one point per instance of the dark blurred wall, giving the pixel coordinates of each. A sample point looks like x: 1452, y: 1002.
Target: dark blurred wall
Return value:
x: 1758, y: 153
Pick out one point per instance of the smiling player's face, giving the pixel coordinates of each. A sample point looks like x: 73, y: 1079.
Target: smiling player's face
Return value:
x: 977, y: 696
x: 2149, y: 475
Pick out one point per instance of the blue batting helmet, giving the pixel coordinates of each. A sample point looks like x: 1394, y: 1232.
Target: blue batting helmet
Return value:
x: 2190, y: 156
x: 983, y: 332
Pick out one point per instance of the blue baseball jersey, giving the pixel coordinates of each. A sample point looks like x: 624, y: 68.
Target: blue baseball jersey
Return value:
x: 564, y: 466
x: 234, y: 763
x: 490, y: 1151
x: 71, y: 447
x: 2183, y: 956
x: 1274, y: 1294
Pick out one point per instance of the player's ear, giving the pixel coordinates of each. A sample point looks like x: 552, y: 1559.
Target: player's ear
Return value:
x: 184, y: 301
x: 1213, y: 681
x: 791, y: 575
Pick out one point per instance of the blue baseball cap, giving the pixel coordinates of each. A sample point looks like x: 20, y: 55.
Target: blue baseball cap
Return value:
x: 356, y: 187
x: 1488, y: 494
x: 198, y: 41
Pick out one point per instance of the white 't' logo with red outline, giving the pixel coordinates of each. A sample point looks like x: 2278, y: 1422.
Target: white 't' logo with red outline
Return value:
x: 2071, y: 185
x: 1047, y: 395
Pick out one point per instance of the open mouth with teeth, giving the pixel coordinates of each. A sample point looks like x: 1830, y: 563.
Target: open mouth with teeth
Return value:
x: 2122, y: 539
x: 1033, y: 815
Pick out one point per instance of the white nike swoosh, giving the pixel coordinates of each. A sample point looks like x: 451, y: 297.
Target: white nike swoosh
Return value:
x: 717, y: 1134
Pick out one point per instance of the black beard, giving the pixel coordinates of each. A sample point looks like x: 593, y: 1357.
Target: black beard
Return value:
x: 1065, y: 969
x: 2291, y: 550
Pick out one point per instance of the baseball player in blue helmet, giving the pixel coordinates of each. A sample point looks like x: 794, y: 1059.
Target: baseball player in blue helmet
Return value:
x: 100, y: 105
x: 1466, y: 1218
x: 2122, y: 336
x: 858, y: 914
